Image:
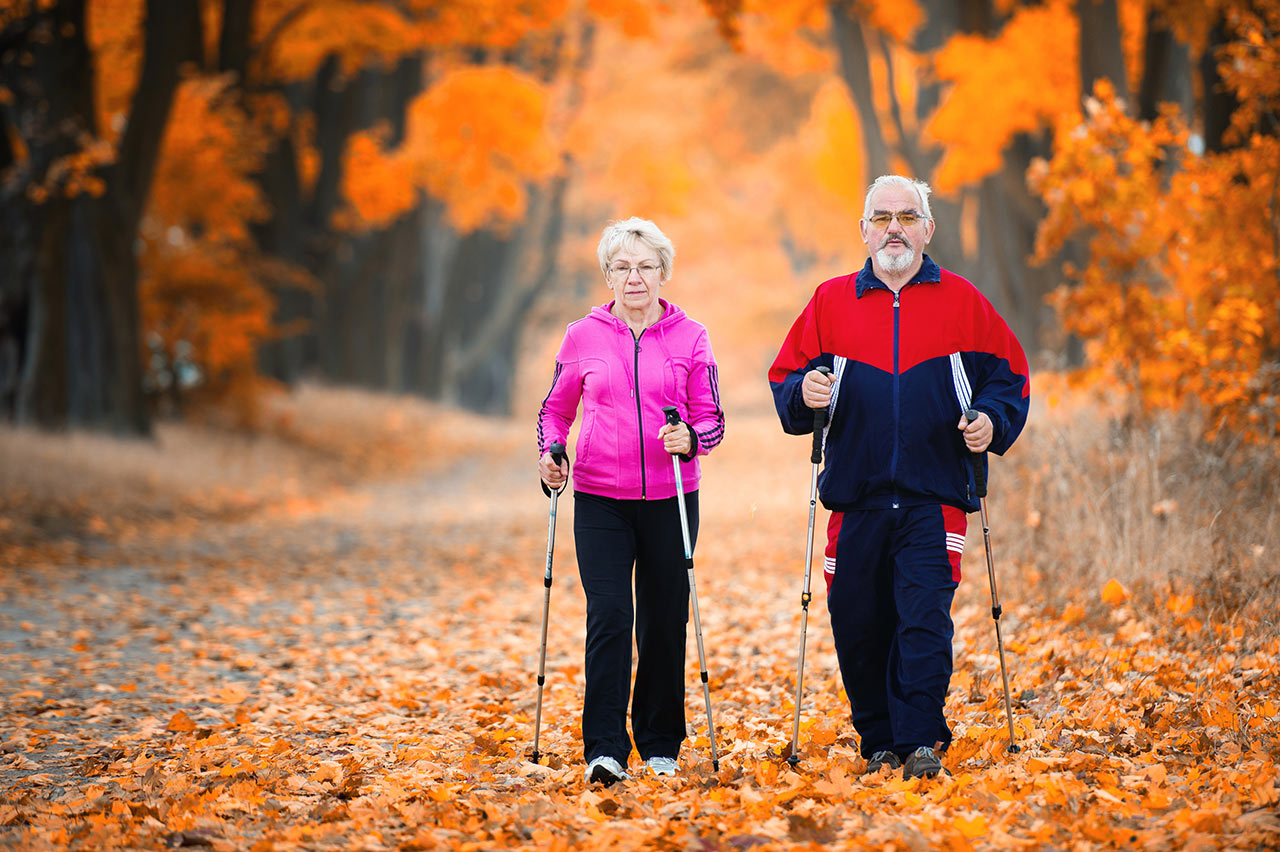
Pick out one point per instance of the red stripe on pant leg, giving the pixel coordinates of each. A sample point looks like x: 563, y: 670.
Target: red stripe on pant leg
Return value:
x: 833, y: 535
x: 955, y: 522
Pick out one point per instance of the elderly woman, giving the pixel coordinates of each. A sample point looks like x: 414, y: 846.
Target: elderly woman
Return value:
x: 623, y: 362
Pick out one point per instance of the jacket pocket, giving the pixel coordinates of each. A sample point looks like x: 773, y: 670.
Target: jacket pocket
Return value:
x: 675, y: 384
x: 584, y: 441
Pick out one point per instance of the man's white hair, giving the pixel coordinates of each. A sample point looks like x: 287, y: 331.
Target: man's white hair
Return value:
x: 919, y: 187
x: 626, y: 234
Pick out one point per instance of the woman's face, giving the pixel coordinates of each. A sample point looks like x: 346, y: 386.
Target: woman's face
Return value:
x: 634, y: 274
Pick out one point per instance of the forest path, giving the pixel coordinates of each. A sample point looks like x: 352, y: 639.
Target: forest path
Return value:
x: 354, y: 668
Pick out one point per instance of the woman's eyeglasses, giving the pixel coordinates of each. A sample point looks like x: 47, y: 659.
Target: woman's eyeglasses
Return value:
x: 646, y: 270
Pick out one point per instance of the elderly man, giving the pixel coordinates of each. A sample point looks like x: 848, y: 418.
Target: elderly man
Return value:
x: 910, y: 347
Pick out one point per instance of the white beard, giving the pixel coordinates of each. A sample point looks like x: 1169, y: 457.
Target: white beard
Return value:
x: 896, y: 262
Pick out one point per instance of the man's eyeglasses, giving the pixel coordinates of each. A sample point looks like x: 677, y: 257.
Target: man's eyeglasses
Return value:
x: 646, y: 270
x: 906, y: 218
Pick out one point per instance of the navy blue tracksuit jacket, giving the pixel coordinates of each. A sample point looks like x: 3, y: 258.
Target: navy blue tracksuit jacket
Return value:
x: 906, y: 368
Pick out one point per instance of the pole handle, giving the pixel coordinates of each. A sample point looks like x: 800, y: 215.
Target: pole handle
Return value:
x: 673, y: 414
x: 558, y: 456
x: 979, y: 461
x: 819, y: 423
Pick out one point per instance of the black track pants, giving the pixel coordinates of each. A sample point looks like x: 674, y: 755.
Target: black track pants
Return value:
x: 612, y: 537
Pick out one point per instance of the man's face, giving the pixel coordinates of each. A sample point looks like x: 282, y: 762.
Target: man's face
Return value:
x: 896, y: 247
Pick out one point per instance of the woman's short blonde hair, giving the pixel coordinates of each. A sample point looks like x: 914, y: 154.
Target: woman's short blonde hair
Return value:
x: 626, y: 234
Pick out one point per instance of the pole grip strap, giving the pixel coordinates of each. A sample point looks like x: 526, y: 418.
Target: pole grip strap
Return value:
x: 558, y: 456
x: 979, y: 461
x: 819, y: 423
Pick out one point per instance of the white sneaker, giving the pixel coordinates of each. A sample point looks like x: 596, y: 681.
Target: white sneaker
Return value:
x: 605, y: 770
x: 662, y: 765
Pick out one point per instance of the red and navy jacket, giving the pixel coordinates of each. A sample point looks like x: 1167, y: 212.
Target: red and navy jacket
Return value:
x: 906, y: 367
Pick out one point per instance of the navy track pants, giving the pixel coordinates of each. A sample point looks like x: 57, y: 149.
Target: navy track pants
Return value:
x: 891, y: 577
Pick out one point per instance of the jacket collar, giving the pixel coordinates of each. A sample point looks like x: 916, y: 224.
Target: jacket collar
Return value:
x: 929, y: 273
x: 670, y: 313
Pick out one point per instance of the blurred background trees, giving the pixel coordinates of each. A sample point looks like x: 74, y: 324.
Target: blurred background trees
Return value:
x: 201, y: 200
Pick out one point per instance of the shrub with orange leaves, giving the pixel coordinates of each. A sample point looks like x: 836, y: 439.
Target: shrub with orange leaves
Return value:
x: 204, y: 286
x: 1176, y: 303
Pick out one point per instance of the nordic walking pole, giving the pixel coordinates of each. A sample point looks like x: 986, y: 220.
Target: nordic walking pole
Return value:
x: 557, y: 456
x: 819, y: 423
x: 673, y: 418
x: 980, y: 480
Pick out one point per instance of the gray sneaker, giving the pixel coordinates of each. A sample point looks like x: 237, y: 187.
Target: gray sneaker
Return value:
x: 922, y: 763
x: 605, y: 770
x: 881, y: 759
x: 662, y: 765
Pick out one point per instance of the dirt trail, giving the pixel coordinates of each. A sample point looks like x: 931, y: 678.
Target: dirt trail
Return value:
x: 353, y: 668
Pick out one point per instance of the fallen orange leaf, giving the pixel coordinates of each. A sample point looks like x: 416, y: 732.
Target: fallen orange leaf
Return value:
x: 1113, y: 593
x: 181, y: 723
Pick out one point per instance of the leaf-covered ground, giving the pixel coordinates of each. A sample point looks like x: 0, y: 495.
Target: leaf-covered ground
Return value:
x: 352, y: 667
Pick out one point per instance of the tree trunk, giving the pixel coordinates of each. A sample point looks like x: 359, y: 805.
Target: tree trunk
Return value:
x: 173, y: 37
x: 282, y: 236
x: 83, y: 351
x: 1218, y: 102
x: 1166, y: 70
x: 52, y: 111
x: 404, y: 271
x: 1007, y: 232
x: 855, y: 67
x: 1100, y: 52
x: 234, y: 47
x: 441, y: 244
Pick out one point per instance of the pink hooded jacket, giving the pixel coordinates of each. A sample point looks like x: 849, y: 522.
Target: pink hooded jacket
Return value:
x: 623, y: 383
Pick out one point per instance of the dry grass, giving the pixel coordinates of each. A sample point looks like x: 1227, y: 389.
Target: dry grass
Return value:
x: 61, y: 492
x: 1082, y: 500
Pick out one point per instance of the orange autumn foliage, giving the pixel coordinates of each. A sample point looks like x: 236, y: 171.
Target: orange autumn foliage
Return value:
x: 474, y: 140
x: 1020, y: 81
x: 1172, y: 313
x: 495, y: 23
x: 787, y: 35
x: 114, y: 31
x: 827, y: 170
x: 378, y: 185
x: 477, y: 138
x: 308, y: 33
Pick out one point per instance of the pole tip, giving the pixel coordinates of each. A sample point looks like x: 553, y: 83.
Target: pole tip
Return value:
x: 794, y: 760
x: 1014, y: 748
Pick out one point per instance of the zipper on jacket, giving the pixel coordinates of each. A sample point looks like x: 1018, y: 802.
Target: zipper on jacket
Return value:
x: 639, y: 413
x: 893, y: 463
